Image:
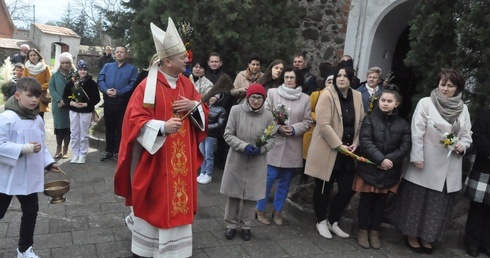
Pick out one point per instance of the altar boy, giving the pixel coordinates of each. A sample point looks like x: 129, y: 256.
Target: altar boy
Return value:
x: 23, y: 158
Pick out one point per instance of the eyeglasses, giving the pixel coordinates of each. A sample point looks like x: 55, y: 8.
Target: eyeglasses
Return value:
x: 65, y: 63
x: 255, y: 98
x: 289, y: 77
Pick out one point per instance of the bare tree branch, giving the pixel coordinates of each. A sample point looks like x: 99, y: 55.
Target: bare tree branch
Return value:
x: 20, y: 10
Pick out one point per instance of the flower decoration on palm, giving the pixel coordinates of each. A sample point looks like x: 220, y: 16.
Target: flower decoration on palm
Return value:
x: 185, y: 31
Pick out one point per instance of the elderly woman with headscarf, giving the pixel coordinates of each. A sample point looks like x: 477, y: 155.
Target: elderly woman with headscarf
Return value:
x: 244, y: 175
x: 287, y: 154
x: 61, y: 117
x: 430, y: 186
x: 338, y: 122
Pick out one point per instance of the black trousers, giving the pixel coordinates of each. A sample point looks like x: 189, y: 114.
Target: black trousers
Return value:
x: 370, y: 210
x: 343, y: 174
x: 477, y: 232
x: 113, y: 116
x: 30, y: 206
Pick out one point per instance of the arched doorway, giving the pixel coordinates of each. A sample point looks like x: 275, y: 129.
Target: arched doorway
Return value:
x: 56, y: 49
x: 377, y: 35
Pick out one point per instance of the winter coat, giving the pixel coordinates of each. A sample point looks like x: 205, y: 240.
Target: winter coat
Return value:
x: 43, y: 79
x: 216, y: 120
x: 309, y: 85
x: 57, y: 84
x: 383, y: 137
x: 92, y: 97
x: 481, y: 141
x: 477, y: 183
x: 307, y: 136
x: 245, y: 177
x: 241, y: 80
x: 288, y: 151
x: 439, y: 169
x: 366, y: 97
x: 202, y: 84
x: 327, y: 135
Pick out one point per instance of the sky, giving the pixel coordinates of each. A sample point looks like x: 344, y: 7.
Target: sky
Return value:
x: 49, y: 10
x: 46, y: 10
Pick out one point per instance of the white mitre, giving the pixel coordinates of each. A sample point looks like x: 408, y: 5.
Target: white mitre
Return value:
x: 167, y: 44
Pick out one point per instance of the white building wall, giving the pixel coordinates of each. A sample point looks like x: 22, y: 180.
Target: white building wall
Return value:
x: 44, y: 41
x: 373, y: 30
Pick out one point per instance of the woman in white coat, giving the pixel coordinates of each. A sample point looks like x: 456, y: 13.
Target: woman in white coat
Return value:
x: 432, y: 181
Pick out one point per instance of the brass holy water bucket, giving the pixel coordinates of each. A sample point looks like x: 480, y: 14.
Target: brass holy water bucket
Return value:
x: 57, y: 189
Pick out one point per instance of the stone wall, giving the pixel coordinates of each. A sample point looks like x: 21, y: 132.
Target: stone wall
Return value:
x: 322, y: 31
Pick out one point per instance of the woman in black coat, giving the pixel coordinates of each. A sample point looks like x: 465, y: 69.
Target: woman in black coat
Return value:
x: 385, y: 140
x: 477, y: 232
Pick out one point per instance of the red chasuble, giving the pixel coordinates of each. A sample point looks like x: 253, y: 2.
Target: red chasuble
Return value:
x: 162, y: 188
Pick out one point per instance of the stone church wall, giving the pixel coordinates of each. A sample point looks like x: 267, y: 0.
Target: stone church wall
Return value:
x: 322, y: 32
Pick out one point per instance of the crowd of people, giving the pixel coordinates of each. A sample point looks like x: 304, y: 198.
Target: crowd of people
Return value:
x: 269, y: 126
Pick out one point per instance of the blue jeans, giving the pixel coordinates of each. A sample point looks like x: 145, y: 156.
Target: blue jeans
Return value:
x: 284, y: 176
x: 207, y: 150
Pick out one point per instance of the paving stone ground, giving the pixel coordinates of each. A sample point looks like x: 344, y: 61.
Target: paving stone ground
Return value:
x: 91, y: 224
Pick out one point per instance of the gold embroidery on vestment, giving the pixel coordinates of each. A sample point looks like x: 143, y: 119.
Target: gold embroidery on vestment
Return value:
x: 179, y: 158
x: 180, y: 198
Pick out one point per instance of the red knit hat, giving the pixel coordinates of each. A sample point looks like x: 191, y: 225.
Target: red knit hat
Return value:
x: 256, y: 89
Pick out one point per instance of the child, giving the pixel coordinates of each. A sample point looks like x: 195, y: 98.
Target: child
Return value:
x: 385, y: 140
x: 18, y: 70
x: 23, y: 158
x: 216, y: 120
x: 81, y: 94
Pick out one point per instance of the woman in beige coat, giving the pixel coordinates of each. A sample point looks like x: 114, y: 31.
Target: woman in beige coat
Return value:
x: 428, y: 193
x: 338, y: 121
x: 36, y: 68
x: 245, y: 170
x: 287, y: 154
x: 247, y: 77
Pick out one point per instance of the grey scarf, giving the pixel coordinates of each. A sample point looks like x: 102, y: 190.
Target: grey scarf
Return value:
x: 289, y: 93
x: 449, y: 107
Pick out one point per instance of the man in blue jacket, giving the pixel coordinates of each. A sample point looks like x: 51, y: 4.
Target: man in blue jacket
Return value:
x: 115, y: 80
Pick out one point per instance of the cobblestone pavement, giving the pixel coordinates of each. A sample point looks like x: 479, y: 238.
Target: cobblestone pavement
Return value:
x: 91, y: 224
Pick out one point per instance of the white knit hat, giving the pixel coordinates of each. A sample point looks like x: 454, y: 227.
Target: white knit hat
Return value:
x: 167, y: 44
x: 65, y: 57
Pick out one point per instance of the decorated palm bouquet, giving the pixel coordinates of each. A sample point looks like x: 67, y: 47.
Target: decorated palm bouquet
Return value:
x: 348, y: 153
x: 447, y: 140
x: 268, y: 133
x: 280, y: 114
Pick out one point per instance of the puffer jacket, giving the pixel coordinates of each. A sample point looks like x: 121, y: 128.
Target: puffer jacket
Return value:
x: 216, y: 120
x: 383, y: 137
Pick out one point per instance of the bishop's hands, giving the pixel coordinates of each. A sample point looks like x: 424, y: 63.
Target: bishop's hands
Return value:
x: 183, y: 104
x: 172, y: 125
